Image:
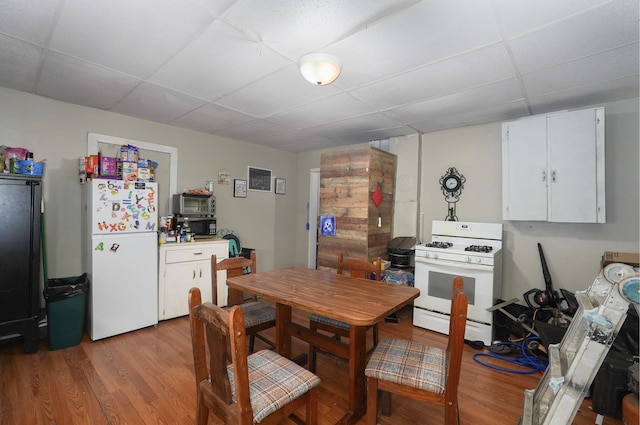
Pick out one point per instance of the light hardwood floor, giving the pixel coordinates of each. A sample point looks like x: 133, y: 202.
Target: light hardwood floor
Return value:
x: 146, y: 377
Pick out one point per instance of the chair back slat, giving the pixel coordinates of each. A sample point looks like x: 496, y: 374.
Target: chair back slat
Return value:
x: 234, y: 266
x: 359, y: 268
x: 197, y: 339
x: 215, y: 322
x: 455, y: 346
x: 239, y: 353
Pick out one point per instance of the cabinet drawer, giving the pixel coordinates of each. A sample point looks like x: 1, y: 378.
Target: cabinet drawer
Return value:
x: 196, y: 253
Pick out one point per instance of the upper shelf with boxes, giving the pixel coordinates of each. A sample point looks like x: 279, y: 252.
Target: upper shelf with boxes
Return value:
x: 126, y: 165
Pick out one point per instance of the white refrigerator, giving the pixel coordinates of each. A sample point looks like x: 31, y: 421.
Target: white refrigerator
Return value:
x: 120, y: 249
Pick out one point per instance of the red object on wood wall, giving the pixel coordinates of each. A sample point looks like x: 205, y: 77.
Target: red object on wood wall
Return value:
x: 376, y: 197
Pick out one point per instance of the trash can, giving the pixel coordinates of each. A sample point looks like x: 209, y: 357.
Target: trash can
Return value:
x: 65, y: 299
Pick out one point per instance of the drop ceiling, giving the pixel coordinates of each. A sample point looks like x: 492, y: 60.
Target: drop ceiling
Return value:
x: 229, y: 68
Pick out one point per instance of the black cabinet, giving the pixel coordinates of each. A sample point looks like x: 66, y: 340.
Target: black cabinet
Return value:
x: 20, y: 200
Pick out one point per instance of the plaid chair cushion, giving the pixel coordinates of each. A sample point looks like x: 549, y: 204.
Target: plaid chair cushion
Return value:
x: 409, y: 363
x: 328, y: 321
x: 273, y: 382
x: 256, y: 313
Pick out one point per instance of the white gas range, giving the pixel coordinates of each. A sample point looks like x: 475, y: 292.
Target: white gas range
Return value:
x: 472, y: 251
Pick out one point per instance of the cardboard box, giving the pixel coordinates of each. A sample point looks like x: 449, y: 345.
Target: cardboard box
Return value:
x: 632, y: 259
x: 82, y: 169
x: 144, y: 174
x: 129, y: 171
x: 108, y: 166
x: 92, y: 167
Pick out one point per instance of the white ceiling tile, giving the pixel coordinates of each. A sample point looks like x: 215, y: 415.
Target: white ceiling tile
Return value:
x: 135, y: 37
x: 599, y: 29
x: 276, y: 92
x: 373, y: 122
x: 290, y: 138
x: 592, y: 94
x: 478, y: 67
x: 19, y: 64
x: 154, y: 103
x: 216, y: 7
x: 524, y: 16
x: 29, y: 20
x: 220, y: 61
x: 610, y: 65
x: 314, y: 24
x: 474, y: 99
x: 74, y: 81
x: 252, y: 130
x: 503, y: 112
x: 421, y: 34
x: 325, y: 110
x: 211, y: 118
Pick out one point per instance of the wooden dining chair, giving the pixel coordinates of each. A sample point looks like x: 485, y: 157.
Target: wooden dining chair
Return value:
x: 356, y: 268
x: 258, y: 316
x: 419, y: 371
x: 260, y: 388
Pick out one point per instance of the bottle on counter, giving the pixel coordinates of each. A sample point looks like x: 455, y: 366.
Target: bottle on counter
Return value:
x: 186, y: 229
x: 162, y: 237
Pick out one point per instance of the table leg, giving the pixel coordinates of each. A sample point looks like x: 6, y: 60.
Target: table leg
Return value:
x: 283, y: 338
x: 357, y: 380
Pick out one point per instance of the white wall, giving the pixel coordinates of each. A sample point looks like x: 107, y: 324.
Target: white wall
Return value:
x: 275, y: 225
x: 572, y: 251
x: 58, y: 131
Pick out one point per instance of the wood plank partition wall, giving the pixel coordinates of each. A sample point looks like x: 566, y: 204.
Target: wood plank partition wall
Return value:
x: 348, y: 178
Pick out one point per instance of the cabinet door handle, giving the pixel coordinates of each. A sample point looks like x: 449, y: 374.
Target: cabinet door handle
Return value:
x: 197, y: 253
x: 194, y: 274
x: 544, y: 176
x: 553, y: 176
x: 200, y: 272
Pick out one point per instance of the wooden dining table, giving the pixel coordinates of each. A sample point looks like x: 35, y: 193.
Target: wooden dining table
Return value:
x: 358, y: 302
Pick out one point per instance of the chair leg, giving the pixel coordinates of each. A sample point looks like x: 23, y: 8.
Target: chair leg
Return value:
x: 252, y: 342
x: 372, y: 401
x: 312, y: 351
x: 451, y: 414
x: 375, y: 335
x: 385, y: 403
x: 202, y: 412
x: 312, y: 407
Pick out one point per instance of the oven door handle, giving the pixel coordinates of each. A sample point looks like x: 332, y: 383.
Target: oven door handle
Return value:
x: 456, y: 264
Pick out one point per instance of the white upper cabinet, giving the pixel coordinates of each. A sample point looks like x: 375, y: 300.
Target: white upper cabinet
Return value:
x: 553, y: 168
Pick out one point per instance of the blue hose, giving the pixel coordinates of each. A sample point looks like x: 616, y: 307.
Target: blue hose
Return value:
x: 525, y: 359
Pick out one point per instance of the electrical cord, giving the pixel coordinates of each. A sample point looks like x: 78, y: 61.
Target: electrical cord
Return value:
x: 526, y: 359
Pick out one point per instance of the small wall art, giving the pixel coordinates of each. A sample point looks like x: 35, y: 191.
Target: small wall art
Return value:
x: 223, y: 176
x: 281, y: 186
x: 328, y: 225
x: 259, y: 179
x: 239, y: 188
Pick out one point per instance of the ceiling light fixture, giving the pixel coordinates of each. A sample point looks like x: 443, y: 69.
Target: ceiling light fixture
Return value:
x: 319, y: 68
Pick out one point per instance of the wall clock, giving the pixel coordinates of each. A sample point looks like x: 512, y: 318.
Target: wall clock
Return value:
x: 452, y: 183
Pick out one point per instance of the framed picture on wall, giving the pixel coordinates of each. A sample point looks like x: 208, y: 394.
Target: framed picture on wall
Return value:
x: 239, y: 188
x: 259, y: 179
x: 281, y: 186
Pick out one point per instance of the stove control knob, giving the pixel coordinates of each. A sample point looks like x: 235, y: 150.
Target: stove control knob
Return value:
x: 478, y: 260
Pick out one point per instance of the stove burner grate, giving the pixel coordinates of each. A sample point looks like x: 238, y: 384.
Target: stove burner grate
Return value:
x: 479, y: 248
x: 442, y: 245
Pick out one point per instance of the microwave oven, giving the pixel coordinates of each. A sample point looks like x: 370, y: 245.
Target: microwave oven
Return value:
x: 194, y: 205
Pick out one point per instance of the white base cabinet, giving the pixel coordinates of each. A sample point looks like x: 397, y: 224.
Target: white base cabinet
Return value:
x: 183, y: 266
x: 553, y: 168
